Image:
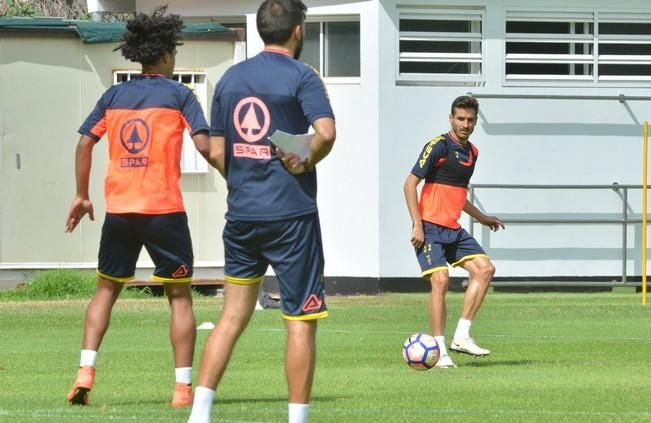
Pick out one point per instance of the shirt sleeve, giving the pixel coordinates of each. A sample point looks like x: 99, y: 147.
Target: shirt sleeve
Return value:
x: 95, y: 124
x: 217, y: 121
x: 313, y: 96
x: 194, y: 119
x: 432, y: 152
x: 475, y: 151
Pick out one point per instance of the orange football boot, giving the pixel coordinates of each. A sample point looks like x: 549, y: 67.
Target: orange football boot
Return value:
x: 182, y: 395
x: 79, y: 393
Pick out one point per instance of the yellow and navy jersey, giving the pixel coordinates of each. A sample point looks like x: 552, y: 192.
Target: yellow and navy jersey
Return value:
x: 446, y: 165
x: 144, y: 120
x: 269, y: 92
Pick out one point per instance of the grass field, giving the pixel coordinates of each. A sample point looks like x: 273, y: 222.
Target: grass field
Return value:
x: 556, y: 358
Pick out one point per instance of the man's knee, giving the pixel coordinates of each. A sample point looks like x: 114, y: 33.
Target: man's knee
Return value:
x: 301, y: 329
x: 484, y: 271
x: 233, y: 320
x: 178, y: 291
x: 108, y: 290
x: 440, y: 281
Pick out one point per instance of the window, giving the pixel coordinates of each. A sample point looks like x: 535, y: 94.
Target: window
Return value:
x: 440, y: 44
x: 333, y: 47
x: 549, y: 46
x: 585, y: 47
x: 624, y: 47
x: 191, y: 160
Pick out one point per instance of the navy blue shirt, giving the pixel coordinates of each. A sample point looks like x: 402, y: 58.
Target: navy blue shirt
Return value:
x: 252, y: 100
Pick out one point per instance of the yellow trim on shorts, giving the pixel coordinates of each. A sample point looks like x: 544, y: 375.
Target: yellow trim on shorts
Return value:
x: 432, y: 270
x: 314, y: 316
x: 171, y: 280
x: 243, y: 281
x: 114, y: 279
x: 471, y: 256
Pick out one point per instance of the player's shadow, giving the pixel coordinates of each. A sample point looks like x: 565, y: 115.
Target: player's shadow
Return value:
x: 283, y: 399
x: 100, y: 404
x: 479, y: 362
x: 270, y: 400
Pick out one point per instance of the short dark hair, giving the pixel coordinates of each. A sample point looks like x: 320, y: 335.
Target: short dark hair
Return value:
x: 465, y: 102
x: 149, y: 37
x: 276, y: 19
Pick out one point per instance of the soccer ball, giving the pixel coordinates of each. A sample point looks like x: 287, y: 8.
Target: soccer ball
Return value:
x: 420, y: 351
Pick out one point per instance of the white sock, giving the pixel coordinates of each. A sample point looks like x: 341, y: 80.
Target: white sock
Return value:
x: 183, y: 375
x: 88, y: 358
x: 442, y: 348
x: 298, y: 412
x: 463, y: 329
x: 202, y: 405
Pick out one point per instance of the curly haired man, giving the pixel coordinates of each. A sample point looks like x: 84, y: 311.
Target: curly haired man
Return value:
x: 144, y: 120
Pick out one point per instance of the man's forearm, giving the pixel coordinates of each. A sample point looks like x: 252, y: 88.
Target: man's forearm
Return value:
x: 322, y: 141
x: 83, y: 161
x: 473, y: 211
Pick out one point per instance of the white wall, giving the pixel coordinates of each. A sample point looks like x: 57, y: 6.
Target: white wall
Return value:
x: 520, y: 142
x: 348, y: 179
x: 42, y: 131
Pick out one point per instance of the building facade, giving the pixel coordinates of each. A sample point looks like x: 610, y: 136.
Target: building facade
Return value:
x: 563, y: 89
x: 52, y: 73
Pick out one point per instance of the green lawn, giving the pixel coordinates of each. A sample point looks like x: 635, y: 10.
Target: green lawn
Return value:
x: 556, y: 357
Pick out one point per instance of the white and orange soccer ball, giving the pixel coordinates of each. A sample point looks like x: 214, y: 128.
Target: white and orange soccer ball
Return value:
x: 420, y: 351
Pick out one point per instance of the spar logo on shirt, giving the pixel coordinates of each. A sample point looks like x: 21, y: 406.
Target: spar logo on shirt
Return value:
x: 251, y: 119
x: 134, y: 136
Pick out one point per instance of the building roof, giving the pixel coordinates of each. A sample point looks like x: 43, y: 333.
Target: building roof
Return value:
x: 91, y: 32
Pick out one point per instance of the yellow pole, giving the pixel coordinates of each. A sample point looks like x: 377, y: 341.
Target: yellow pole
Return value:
x: 644, y: 208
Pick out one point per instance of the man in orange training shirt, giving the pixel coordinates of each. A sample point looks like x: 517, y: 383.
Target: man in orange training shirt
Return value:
x: 144, y: 120
x: 446, y: 163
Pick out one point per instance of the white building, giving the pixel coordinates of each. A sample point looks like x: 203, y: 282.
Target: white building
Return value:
x: 564, y: 88
x: 575, y: 78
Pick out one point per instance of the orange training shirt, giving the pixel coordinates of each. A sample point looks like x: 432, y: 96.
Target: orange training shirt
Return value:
x: 446, y: 166
x: 144, y: 120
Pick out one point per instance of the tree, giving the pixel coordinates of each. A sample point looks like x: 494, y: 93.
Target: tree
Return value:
x: 68, y: 9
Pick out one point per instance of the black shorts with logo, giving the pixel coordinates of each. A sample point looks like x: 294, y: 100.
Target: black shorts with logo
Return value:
x: 165, y: 236
x: 444, y: 245
x: 294, y: 250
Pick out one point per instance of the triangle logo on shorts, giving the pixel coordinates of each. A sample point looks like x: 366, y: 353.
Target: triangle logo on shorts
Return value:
x: 181, y: 271
x: 312, y: 303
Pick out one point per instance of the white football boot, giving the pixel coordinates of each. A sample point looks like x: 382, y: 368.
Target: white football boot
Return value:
x: 468, y: 346
x: 445, y: 362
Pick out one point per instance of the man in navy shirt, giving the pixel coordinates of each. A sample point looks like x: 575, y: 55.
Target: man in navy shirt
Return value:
x: 272, y: 214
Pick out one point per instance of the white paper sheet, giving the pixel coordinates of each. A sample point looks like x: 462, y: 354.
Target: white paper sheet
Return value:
x: 288, y: 143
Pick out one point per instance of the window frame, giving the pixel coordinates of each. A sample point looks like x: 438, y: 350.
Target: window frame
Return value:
x: 460, y: 13
x: 613, y: 16
x: 191, y: 161
x: 593, y: 16
x: 324, y: 19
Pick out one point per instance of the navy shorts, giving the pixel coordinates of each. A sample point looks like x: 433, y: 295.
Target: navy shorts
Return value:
x: 165, y: 236
x: 294, y: 250
x: 444, y: 245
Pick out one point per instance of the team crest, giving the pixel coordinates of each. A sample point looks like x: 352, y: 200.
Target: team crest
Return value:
x: 251, y: 119
x: 134, y: 135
